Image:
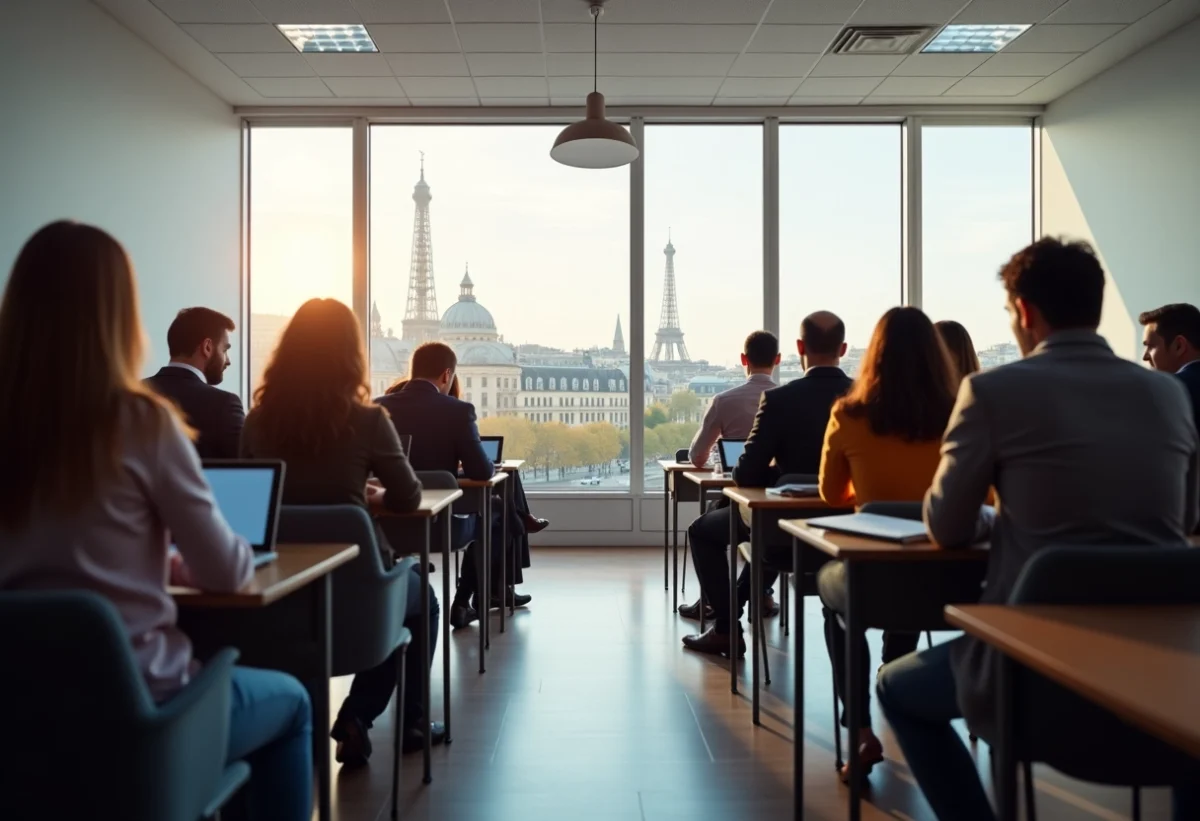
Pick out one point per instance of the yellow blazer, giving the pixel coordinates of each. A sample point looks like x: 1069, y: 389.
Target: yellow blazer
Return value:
x: 858, y: 466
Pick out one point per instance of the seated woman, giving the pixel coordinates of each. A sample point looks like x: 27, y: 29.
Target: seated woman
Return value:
x: 98, y: 469
x: 961, y: 348
x: 883, y: 444
x: 313, y: 410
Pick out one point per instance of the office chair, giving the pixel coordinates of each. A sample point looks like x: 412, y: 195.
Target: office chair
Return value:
x: 86, y: 739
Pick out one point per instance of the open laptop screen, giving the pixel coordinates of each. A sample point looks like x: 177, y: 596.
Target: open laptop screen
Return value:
x: 730, y: 451
x: 248, y: 496
x: 493, y: 446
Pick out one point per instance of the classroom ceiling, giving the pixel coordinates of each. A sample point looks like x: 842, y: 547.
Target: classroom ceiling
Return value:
x: 694, y: 53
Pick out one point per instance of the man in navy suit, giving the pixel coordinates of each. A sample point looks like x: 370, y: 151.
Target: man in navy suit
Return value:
x: 198, y: 341
x: 1172, y: 343
x: 445, y: 436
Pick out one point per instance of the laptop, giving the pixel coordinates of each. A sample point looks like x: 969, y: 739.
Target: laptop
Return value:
x: 493, y: 446
x: 874, y: 526
x: 248, y: 493
x: 729, y: 451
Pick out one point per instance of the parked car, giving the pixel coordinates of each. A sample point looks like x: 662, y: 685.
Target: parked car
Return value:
x: 590, y: 480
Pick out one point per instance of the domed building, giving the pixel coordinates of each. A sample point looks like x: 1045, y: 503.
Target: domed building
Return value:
x: 487, y: 367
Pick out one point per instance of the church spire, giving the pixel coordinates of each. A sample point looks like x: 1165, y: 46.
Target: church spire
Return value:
x: 619, y: 338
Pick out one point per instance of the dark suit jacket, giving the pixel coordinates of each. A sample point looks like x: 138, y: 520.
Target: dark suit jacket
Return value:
x: 216, y: 415
x: 790, y: 428
x: 443, y: 430
x: 1189, y: 374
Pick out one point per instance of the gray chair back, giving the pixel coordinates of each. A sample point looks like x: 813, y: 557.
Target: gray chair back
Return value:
x: 84, y: 738
x: 369, y: 599
x: 465, y: 511
x: 682, y: 455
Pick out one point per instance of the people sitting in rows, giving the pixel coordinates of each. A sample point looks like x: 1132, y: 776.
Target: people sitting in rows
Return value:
x: 1082, y: 447
x: 730, y: 416
x: 198, y: 342
x: 314, y: 412
x: 882, y: 444
x: 92, y: 501
x: 961, y: 347
x: 1172, y: 344
x: 445, y: 437
x: 785, y: 438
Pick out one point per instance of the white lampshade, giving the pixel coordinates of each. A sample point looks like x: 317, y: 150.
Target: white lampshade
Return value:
x: 594, y: 142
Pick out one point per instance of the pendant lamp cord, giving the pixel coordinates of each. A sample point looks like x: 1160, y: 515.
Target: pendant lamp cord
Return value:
x: 595, y: 48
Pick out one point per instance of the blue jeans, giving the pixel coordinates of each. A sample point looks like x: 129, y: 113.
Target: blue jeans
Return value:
x: 918, y: 695
x: 270, y: 728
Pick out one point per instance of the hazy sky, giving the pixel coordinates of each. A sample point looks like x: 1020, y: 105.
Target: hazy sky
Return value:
x: 548, y: 245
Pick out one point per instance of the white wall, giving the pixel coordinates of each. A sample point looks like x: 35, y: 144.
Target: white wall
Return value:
x: 99, y: 127
x: 1121, y: 168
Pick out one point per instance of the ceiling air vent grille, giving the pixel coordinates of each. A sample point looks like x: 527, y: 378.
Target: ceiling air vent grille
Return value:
x: 880, y: 39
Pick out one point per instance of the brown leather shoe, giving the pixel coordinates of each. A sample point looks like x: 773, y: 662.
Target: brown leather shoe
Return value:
x: 713, y: 643
x: 692, y: 611
x: 535, y: 525
x: 769, y: 607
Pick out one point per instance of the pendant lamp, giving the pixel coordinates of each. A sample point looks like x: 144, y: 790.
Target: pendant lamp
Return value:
x: 595, y: 142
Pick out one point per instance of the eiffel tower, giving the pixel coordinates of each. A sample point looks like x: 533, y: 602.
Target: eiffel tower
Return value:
x: 421, y: 317
x: 668, y: 340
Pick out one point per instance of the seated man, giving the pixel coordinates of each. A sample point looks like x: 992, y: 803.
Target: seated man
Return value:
x: 786, y: 438
x: 198, y: 341
x: 1172, y: 341
x: 1081, y: 447
x: 731, y: 416
x: 445, y: 437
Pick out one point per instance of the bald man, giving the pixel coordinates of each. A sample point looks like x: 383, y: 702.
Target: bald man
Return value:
x: 787, y: 436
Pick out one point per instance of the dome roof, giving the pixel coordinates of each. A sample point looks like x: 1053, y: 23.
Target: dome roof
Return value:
x: 485, y: 353
x: 390, y: 355
x: 467, y: 314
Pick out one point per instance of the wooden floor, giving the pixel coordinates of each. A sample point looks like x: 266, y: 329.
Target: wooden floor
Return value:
x: 591, y: 711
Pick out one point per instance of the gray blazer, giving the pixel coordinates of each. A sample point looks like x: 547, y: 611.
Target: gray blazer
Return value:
x: 1082, y: 447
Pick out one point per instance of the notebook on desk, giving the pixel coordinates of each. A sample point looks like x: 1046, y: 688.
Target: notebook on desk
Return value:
x: 874, y: 526
x: 248, y: 493
x: 795, y: 491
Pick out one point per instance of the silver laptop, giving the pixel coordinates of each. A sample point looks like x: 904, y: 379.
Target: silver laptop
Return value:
x: 248, y: 493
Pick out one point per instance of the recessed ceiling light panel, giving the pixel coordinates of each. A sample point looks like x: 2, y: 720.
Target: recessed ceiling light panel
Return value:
x: 328, y: 39
x: 981, y: 39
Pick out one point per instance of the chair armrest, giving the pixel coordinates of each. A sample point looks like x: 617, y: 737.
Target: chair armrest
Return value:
x: 399, y: 569
x: 213, y: 678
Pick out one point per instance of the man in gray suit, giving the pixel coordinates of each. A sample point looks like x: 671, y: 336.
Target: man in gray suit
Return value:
x: 1081, y: 447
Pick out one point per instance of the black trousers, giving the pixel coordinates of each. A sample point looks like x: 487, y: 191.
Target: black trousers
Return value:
x: 709, y: 537
x: 831, y: 586
x: 371, y: 689
x: 468, y: 580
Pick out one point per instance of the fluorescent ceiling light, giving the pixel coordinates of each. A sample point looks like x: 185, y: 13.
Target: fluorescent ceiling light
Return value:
x: 317, y: 39
x: 983, y: 39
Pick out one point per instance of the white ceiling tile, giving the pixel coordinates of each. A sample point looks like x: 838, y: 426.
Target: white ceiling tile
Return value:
x: 365, y: 87
x: 1007, y: 11
x: 308, y: 11
x: 773, y: 65
x: 660, y: 99
x: 494, y: 37
x: 564, y: 37
x: 518, y: 102
x: 844, y: 65
x: 811, y: 12
x: 803, y: 100
x: 1104, y: 11
x: 495, y: 11
x: 574, y: 87
x: 990, y: 86
x: 267, y: 65
x: 1037, y: 64
x: 438, y: 86
x: 665, y: 65
x: 618, y: 12
x: 289, y: 86
x: 402, y: 11
x: 349, y: 65
x: 793, y: 39
x: 228, y: 38
x: 939, y: 65
x: 428, y: 65
x: 837, y: 86
x: 443, y: 102
x: 414, y: 38
x: 753, y: 101
x: 659, y: 86
x: 570, y: 64
x: 210, y: 11
x: 875, y: 12
x: 1061, y: 38
x: 511, y: 86
x: 758, y: 86
x: 507, y: 65
x: 913, y: 86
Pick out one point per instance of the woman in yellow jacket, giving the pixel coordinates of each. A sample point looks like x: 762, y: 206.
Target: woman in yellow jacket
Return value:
x: 883, y: 444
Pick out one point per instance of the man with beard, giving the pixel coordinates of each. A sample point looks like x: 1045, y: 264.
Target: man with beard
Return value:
x: 198, y: 341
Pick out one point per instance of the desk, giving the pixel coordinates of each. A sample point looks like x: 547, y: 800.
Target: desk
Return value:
x: 673, y: 494
x: 1140, y: 663
x: 705, y: 480
x: 760, y: 503
x: 482, y: 490
x: 298, y: 566
x: 433, y: 503
x: 857, y: 552
x: 508, y: 466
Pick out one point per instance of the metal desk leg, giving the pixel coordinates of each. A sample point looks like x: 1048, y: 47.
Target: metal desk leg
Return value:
x: 482, y: 591
x: 798, y: 687
x: 446, y: 519
x: 666, y: 524
x: 756, y: 535
x: 703, y: 507
x: 1005, y: 769
x: 485, y: 618
x: 855, y: 633
x: 734, y: 622
x: 427, y: 662
x: 507, y: 499
x: 675, y: 524
x: 324, y: 596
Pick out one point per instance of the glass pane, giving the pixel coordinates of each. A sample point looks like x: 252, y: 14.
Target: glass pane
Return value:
x: 977, y: 195
x: 703, y: 274
x: 301, y: 236
x: 522, y: 266
x: 839, y: 231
